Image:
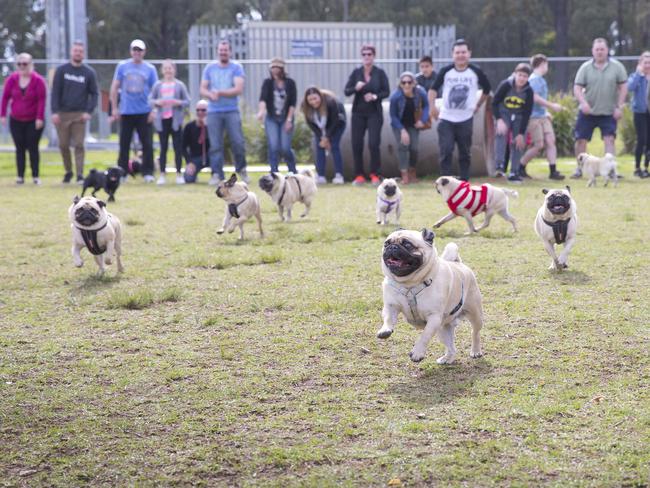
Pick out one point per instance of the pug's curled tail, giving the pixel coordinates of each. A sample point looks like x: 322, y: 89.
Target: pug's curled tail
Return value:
x: 510, y: 193
x: 450, y: 253
x: 308, y: 172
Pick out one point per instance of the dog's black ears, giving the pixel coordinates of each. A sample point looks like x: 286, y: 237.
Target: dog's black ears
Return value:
x: 76, y: 199
x: 568, y: 188
x: 101, y: 203
x: 231, y: 180
x: 428, y: 236
x: 545, y: 191
x: 444, y: 181
x: 274, y: 176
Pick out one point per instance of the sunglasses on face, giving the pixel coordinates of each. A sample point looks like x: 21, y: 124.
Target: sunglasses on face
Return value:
x: 407, y: 82
x: 22, y: 64
x: 137, y: 49
x: 367, y: 54
x: 199, y: 110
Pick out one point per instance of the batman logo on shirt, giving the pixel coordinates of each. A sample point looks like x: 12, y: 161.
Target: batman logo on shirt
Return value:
x: 514, y: 102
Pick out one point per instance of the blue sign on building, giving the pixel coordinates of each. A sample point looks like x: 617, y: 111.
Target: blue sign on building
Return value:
x: 306, y: 48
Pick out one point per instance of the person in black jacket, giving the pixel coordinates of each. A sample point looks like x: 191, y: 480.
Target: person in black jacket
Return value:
x: 74, y: 97
x: 196, y: 143
x: 512, y: 105
x: 369, y: 85
x: 277, y: 107
x: 325, y: 116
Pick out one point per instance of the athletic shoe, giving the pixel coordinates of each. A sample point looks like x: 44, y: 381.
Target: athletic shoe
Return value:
x: 180, y: 180
x: 499, y: 173
x: 556, y: 175
x: 338, y: 179
x: 321, y: 180
x: 359, y: 180
x: 20, y: 181
x: 374, y: 179
x: 161, y: 180
x: 67, y: 177
x: 243, y: 175
x: 516, y: 179
x: 37, y: 181
x: 577, y: 175
x: 123, y: 179
x: 214, y: 180
x: 80, y: 179
x: 149, y: 179
x: 523, y: 173
x: 645, y: 174
x: 637, y: 172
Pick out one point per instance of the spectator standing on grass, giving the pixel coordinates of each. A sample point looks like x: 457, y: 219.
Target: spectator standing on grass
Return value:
x: 460, y: 83
x: 134, y: 78
x: 24, y: 93
x: 511, y: 106
x: 74, y: 98
x: 277, y: 108
x: 600, y: 87
x: 169, y: 100
x: 540, y: 126
x: 639, y: 86
x: 196, y: 143
x: 369, y: 85
x: 409, y: 113
x: 222, y: 83
x: 325, y: 116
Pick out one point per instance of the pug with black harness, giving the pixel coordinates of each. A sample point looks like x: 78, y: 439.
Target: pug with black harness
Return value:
x: 241, y: 205
x: 99, y: 231
x: 285, y: 191
x: 108, y: 180
x: 556, y: 223
x: 433, y: 293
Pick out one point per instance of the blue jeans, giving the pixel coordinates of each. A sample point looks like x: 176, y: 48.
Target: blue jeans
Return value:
x: 407, y: 155
x: 279, y: 144
x: 321, y: 157
x: 230, y: 122
x: 191, y: 176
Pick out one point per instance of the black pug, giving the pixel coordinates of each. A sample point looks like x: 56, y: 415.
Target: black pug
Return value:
x: 109, y: 180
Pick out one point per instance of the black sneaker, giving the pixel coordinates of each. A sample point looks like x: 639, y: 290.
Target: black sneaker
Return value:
x: 637, y: 172
x: 67, y: 177
x: 523, y: 173
x: 645, y: 174
x: 513, y: 178
x: 556, y: 175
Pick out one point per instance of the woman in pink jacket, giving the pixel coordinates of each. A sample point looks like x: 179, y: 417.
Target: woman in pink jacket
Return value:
x: 25, y: 92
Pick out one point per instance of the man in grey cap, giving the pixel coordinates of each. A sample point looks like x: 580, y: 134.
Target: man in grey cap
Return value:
x: 134, y: 79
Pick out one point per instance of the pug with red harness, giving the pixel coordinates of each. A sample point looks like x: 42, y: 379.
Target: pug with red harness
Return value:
x: 467, y: 201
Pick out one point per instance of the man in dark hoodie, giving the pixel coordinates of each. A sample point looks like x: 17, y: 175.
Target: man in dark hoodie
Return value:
x: 512, y: 105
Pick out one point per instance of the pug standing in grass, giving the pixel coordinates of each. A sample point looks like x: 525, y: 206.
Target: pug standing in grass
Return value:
x: 389, y: 199
x: 468, y: 201
x: 593, y: 166
x: 557, y: 223
x: 241, y: 205
x: 433, y: 293
x: 285, y: 191
x: 99, y: 231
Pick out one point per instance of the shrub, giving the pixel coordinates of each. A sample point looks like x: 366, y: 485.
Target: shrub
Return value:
x: 626, y: 131
x: 564, y: 123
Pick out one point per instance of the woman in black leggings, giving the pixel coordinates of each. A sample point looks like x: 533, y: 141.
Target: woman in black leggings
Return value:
x: 369, y: 85
x: 25, y: 92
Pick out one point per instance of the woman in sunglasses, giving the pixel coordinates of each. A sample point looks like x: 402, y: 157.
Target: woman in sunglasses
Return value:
x: 409, y: 113
x: 369, y: 85
x: 196, y: 143
x: 25, y: 92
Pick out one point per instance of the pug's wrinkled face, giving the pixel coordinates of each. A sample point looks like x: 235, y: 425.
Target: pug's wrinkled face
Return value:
x: 87, y: 211
x: 406, y: 251
x: 268, y: 182
x: 224, y: 188
x: 388, y: 187
x: 114, y: 174
x: 558, y: 202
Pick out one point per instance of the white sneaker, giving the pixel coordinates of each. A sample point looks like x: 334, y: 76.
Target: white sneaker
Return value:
x: 149, y: 179
x: 161, y: 180
x: 37, y: 181
x: 215, y: 180
x: 180, y: 180
x: 338, y: 179
x: 123, y: 180
x: 243, y: 175
x: 321, y: 180
x: 20, y: 181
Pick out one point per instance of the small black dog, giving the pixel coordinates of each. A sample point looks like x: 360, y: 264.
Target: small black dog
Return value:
x: 109, y: 180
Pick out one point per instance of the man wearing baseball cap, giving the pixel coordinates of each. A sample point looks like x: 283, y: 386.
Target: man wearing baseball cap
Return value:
x: 133, y: 80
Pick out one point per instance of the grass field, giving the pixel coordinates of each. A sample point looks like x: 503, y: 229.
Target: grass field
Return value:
x: 216, y: 363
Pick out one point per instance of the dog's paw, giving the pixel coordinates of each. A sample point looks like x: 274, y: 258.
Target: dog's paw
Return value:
x: 108, y: 261
x: 220, y: 231
x: 476, y: 354
x: 379, y: 222
x: 436, y: 226
x: 384, y: 333
x: 416, y: 355
x: 446, y: 359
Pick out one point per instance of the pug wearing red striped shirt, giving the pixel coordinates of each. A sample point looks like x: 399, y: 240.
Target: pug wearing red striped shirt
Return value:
x: 467, y: 201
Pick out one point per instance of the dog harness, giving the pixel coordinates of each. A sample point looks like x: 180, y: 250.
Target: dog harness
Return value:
x: 411, y: 295
x: 468, y: 197
x: 284, y: 188
x: 90, y: 240
x: 560, y: 228
x: 389, y: 205
x: 233, y: 207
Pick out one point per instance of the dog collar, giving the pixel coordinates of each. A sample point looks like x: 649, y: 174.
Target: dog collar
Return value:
x: 90, y: 239
x: 232, y: 207
x: 411, y: 295
x: 389, y: 204
x: 560, y: 229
